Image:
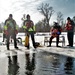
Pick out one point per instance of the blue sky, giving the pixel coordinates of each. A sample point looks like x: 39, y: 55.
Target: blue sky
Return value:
x: 20, y: 7
x: 65, y: 6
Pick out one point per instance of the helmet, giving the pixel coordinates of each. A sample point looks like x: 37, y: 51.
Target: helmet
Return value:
x: 68, y: 18
x: 10, y: 15
x: 28, y: 15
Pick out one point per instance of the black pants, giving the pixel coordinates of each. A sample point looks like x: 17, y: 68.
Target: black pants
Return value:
x: 32, y: 38
x: 57, y: 40
x: 70, y: 38
x: 13, y: 35
x: 4, y: 36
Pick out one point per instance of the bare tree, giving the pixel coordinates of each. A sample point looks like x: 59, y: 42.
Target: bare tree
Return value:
x: 38, y: 26
x: 47, y: 11
x: 74, y: 19
x: 59, y: 17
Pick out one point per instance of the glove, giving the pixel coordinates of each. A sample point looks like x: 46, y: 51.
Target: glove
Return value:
x: 6, y: 32
x: 58, y: 33
x: 34, y: 32
x: 16, y: 32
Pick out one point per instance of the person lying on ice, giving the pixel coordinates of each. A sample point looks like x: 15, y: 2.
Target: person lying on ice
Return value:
x: 55, y: 32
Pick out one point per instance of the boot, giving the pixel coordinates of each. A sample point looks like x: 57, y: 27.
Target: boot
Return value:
x: 8, y: 48
x: 16, y: 48
x: 50, y: 43
x: 49, y: 46
x: 58, y: 45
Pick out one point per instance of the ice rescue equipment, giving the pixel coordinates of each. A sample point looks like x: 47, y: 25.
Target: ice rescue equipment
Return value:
x: 68, y: 27
x: 26, y: 41
x: 55, y: 32
x: 29, y: 26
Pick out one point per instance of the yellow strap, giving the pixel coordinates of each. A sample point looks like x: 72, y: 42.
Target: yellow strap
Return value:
x: 30, y: 29
x: 24, y: 27
x: 34, y: 27
x: 5, y: 27
x: 16, y: 27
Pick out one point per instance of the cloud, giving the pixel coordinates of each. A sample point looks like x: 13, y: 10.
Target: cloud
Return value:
x: 20, y: 7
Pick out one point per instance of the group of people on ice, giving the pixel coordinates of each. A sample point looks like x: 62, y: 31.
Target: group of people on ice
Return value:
x: 11, y: 30
x: 56, y: 31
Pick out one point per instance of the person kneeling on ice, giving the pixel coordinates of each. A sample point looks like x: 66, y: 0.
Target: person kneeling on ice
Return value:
x: 55, y: 32
x: 29, y: 28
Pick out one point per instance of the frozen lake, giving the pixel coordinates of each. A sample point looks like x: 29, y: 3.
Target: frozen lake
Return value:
x: 35, y: 61
x: 39, y: 37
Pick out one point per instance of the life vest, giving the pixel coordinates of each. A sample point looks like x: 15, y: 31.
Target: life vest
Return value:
x: 68, y: 26
x: 10, y: 26
x: 28, y: 25
x: 55, y: 32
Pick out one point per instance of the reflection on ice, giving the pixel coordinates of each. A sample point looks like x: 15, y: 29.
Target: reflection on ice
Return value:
x: 37, y: 62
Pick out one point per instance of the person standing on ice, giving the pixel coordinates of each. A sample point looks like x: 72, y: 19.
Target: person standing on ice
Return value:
x: 10, y: 29
x: 55, y: 32
x: 29, y: 28
x: 70, y: 31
